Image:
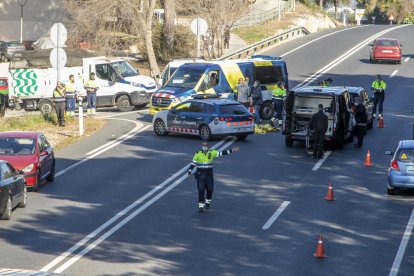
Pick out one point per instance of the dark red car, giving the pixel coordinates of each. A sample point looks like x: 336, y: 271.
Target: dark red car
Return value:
x: 385, y: 49
x: 30, y: 153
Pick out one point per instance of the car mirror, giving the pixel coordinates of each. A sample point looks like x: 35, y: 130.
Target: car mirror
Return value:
x: 44, y: 153
x: 388, y: 152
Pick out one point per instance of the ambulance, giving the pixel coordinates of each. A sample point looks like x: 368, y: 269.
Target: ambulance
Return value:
x: 221, y: 78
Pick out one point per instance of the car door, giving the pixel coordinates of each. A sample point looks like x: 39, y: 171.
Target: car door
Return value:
x: 195, y: 117
x: 9, y: 181
x: 176, y: 117
x: 369, y: 105
x: 18, y: 183
x: 45, y: 153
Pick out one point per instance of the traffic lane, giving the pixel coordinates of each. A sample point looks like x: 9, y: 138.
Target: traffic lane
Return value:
x: 79, y: 201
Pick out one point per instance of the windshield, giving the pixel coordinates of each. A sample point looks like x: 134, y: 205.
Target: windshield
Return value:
x: 17, y: 146
x: 124, y: 69
x: 233, y: 109
x: 185, y: 77
x: 14, y: 44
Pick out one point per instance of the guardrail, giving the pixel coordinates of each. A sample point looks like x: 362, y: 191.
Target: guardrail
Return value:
x: 258, y: 46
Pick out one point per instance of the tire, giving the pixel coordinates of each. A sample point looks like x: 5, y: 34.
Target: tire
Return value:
x: 241, y: 137
x: 46, y: 107
x: 267, y: 110
x: 371, y: 124
x: 23, y: 204
x: 51, y: 176
x: 288, y: 142
x: 124, y: 104
x: 159, y: 128
x: 35, y: 188
x: 390, y: 191
x: 205, y: 132
x: 7, y: 213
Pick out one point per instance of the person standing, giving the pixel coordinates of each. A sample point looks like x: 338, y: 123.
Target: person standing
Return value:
x: 379, y: 86
x: 91, y: 87
x: 59, y: 100
x: 361, y: 119
x: 278, y: 95
x: 319, y: 125
x: 257, y: 100
x: 203, y: 163
x: 70, y: 94
x: 227, y: 39
x: 243, y: 93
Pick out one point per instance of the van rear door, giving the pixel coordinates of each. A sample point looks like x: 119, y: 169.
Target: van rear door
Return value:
x: 287, y: 113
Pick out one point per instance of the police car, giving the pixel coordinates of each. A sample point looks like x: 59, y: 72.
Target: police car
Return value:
x: 206, y: 118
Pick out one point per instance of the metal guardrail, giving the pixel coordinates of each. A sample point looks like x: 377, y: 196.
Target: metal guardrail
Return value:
x: 258, y: 46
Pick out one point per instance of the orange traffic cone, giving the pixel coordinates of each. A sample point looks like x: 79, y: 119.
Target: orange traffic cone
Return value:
x: 251, y: 109
x: 381, y: 122
x: 368, y: 162
x: 330, y: 194
x: 320, y: 251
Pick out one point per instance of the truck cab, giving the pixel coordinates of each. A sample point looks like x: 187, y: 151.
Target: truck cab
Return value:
x: 302, y: 103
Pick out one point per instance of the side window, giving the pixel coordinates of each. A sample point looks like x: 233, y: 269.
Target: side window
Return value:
x: 105, y: 72
x: 183, y: 107
x: 268, y: 74
x: 196, y: 107
x: 5, y: 172
x: 210, y: 109
x: 45, y: 142
x: 40, y: 145
x: 213, y: 78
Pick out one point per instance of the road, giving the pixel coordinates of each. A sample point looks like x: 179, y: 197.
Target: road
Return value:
x: 129, y: 209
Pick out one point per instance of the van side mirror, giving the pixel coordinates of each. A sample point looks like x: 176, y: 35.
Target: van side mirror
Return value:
x: 388, y: 152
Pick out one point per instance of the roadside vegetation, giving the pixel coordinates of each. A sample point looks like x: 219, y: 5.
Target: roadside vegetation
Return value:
x: 59, y: 137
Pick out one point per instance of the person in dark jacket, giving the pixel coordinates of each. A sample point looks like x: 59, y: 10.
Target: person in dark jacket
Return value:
x: 319, y: 125
x: 361, y: 119
x: 257, y: 100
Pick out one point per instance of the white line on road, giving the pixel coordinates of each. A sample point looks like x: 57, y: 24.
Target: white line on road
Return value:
x: 394, y: 73
x: 320, y: 162
x: 119, y: 215
x: 274, y: 217
x: 401, y: 250
x: 407, y: 59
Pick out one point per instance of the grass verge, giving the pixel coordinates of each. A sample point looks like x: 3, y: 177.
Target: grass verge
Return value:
x: 58, y: 137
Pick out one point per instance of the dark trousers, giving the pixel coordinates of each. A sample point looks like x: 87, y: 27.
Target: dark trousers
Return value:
x: 226, y: 43
x: 60, y: 112
x: 360, y: 132
x: 91, y: 98
x: 278, y: 104
x: 318, y: 139
x: 205, y: 182
x: 378, y: 100
x: 70, y: 104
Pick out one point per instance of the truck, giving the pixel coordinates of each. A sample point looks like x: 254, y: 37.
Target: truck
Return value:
x: 32, y: 80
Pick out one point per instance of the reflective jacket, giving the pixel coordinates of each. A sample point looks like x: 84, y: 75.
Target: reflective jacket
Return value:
x: 279, y: 92
x: 203, y: 161
x: 70, y: 90
x: 379, y: 84
x: 91, y: 86
x: 57, y: 97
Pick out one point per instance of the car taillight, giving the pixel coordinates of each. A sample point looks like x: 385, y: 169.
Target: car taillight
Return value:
x: 394, y: 165
x: 225, y: 119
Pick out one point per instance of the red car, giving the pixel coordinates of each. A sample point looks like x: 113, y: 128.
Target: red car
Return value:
x: 385, y: 49
x: 30, y: 153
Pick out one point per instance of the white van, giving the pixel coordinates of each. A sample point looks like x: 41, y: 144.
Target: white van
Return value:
x: 32, y: 80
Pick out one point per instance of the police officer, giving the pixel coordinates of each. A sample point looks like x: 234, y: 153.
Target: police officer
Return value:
x: 361, y: 118
x: 59, y: 100
x: 327, y: 82
x: 278, y: 94
x: 319, y: 125
x: 70, y: 94
x: 91, y: 87
x: 203, y: 162
x: 379, y: 86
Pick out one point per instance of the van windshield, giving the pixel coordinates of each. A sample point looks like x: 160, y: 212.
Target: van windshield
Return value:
x: 124, y: 69
x: 186, y: 77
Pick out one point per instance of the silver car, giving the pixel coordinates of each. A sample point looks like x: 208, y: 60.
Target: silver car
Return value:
x: 401, y: 170
x: 8, y: 48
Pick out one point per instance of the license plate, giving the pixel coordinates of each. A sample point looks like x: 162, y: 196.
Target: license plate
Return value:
x: 387, y: 51
x: 410, y: 168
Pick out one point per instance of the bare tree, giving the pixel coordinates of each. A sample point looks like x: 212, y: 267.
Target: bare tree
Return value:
x: 169, y: 23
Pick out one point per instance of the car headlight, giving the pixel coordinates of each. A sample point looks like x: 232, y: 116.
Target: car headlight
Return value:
x: 28, y: 169
x: 136, y: 84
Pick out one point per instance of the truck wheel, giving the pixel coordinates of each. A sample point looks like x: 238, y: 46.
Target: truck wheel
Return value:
x: 45, y: 107
x: 267, y: 110
x: 288, y: 142
x: 124, y: 104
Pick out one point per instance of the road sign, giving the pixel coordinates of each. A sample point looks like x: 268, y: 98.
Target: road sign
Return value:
x: 199, y: 26
x: 391, y: 18
x: 359, y: 13
x: 58, y: 34
x: 58, y: 58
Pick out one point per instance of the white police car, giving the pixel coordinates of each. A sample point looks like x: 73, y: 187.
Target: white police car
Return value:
x: 206, y: 118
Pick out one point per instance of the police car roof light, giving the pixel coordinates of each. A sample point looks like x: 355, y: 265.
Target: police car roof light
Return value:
x: 206, y: 96
x: 265, y: 57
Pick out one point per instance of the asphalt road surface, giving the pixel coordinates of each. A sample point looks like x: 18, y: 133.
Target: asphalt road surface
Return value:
x: 127, y: 208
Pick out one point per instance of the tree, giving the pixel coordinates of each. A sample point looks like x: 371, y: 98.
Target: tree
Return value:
x: 169, y: 24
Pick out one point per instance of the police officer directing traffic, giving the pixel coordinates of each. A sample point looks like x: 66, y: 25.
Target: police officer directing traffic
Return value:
x: 319, y: 125
x: 203, y: 162
x: 379, y: 86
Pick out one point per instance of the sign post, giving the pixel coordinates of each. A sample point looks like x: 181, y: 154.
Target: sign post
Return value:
x: 359, y: 13
x: 391, y: 18
x: 199, y: 27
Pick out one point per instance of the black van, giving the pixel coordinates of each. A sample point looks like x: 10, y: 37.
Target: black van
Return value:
x: 302, y: 103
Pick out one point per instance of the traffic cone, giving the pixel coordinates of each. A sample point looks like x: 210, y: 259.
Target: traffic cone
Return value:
x: 320, y: 251
x: 330, y: 194
x: 381, y: 123
x: 368, y: 162
x: 251, y: 109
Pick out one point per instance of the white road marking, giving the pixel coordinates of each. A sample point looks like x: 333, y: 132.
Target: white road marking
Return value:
x: 320, y: 162
x: 274, y: 217
x: 343, y: 57
x: 394, y: 73
x: 407, y: 59
x: 403, y: 245
x: 121, y: 114
x: 122, y: 213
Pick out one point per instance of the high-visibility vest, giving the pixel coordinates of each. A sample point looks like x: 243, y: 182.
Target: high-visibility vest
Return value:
x: 91, y: 84
x: 57, y: 97
x: 379, y: 84
x: 204, y: 160
x: 279, y: 92
x: 70, y: 90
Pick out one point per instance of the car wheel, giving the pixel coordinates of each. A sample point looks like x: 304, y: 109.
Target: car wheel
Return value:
x: 23, y: 204
x: 390, y: 191
x: 159, y: 127
x: 241, y: 137
x: 370, y: 124
x: 124, y: 104
x: 7, y: 213
x: 51, y: 176
x: 288, y: 142
x: 45, y: 107
x: 340, y: 140
x: 205, y: 132
x: 267, y: 110
x: 398, y: 61
x: 35, y: 188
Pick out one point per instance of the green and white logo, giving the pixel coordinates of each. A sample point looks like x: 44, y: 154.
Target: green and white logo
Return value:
x: 25, y: 82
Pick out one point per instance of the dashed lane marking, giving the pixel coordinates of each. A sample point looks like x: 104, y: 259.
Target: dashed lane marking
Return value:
x: 274, y: 217
x: 320, y: 162
x: 394, y: 73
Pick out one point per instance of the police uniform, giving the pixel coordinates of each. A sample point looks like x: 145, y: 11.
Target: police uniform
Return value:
x: 278, y: 93
x: 379, y: 87
x: 203, y: 162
